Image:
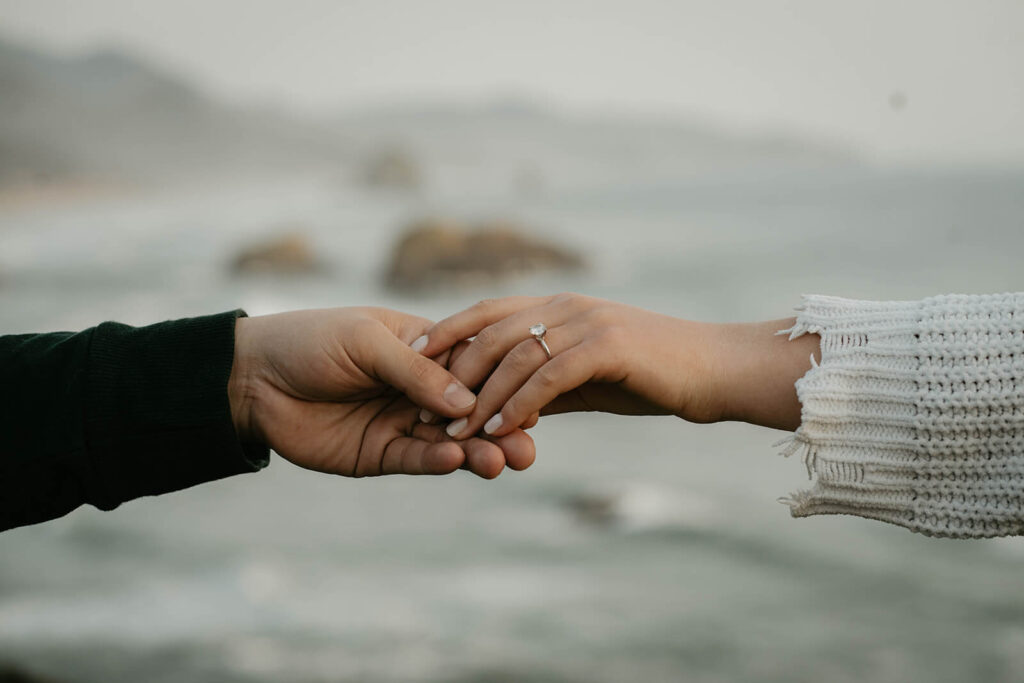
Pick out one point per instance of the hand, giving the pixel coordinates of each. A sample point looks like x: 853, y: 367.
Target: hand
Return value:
x: 338, y: 391
x: 615, y: 358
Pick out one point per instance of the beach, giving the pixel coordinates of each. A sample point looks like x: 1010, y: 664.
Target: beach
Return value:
x: 693, y: 572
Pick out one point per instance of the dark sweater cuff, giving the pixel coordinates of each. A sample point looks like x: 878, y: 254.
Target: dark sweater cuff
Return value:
x: 158, y: 417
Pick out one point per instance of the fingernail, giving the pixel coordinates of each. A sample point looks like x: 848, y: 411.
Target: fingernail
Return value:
x: 459, y: 396
x: 419, y: 344
x: 426, y: 416
x: 494, y: 424
x: 454, y: 428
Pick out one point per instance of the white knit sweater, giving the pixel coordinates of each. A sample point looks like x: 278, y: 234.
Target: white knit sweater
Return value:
x: 915, y: 415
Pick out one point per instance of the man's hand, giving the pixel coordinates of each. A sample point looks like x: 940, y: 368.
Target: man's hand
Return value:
x: 339, y: 391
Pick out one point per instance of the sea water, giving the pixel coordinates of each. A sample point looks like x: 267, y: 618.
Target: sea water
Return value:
x: 696, y: 573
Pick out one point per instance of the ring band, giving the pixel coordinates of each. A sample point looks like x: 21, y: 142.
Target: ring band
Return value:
x: 538, y: 331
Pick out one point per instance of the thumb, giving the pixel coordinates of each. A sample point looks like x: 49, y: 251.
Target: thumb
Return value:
x: 424, y: 381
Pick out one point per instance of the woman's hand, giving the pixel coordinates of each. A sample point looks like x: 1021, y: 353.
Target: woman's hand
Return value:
x: 605, y: 356
x: 615, y: 358
x: 333, y: 390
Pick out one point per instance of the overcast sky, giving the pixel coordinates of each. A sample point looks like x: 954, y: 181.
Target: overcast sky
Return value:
x: 835, y: 69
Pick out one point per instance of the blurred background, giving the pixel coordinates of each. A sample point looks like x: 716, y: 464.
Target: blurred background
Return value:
x: 711, y: 160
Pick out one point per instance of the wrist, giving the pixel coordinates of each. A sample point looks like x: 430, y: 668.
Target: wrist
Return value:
x: 242, y: 385
x: 698, y: 372
x: 759, y: 369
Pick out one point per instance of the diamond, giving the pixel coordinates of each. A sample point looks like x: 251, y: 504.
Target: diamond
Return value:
x: 538, y: 330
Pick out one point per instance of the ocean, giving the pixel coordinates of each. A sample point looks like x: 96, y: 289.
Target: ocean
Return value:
x: 697, y: 574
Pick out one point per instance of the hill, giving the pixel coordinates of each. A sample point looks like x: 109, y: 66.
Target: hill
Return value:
x: 524, y: 136
x: 109, y: 114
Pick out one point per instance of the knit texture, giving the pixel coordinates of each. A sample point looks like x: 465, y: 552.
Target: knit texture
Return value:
x: 114, y: 413
x: 157, y: 414
x: 915, y: 415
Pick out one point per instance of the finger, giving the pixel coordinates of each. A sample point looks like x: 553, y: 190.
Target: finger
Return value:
x: 388, y: 424
x: 426, y: 383
x: 565, y: 372
x: 389, y: 446
x: 494, y: 342
x: 445, y: 360
x: 457, y: 350
x: 517, y: 366
x: 569, y: 402
x: 405, y: 326
x: 469, y: 322
x: 483, y: 458
x: 409, y: 455
x: 519, y: 449
x: 531, y: 421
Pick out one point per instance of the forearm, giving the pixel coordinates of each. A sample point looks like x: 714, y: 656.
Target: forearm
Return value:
x: 158, y: 414
x: 114, y: 413
x: 43, y: 458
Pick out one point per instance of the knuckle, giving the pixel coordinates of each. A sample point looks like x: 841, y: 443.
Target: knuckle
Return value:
x: 571, y: 300
x: 440, y: 330
x: 484, y: 305
x: 546, y: 377
x: 611, y: 337
x: 420, y: 368
x: 519, y: 358
x: 486, y: 338
x: 601, y: 316
x: 513, y: 407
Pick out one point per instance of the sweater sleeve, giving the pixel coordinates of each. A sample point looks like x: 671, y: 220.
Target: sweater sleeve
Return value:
x: 915, y: 414
x: 114, y: 413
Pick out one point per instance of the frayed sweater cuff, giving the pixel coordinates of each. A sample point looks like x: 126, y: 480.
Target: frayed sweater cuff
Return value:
x: 915, y: 414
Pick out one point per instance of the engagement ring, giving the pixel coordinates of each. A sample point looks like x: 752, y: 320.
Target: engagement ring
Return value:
x: 538, y: 331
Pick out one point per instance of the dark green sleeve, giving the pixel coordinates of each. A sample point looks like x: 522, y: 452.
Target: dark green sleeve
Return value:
x: 114, y: 413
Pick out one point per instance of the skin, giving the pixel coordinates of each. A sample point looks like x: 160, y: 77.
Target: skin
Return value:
x: 615, y: 358
x: 339, y: 391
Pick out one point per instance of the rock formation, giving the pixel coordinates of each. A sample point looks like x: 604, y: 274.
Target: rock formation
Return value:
x: 436, y: 253
x: 289, y: 254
